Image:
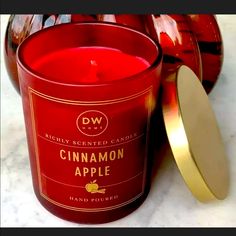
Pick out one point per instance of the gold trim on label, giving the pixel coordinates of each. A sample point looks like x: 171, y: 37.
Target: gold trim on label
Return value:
x: 91, y: 103
x: 103, y: 186
x: 35, y: 141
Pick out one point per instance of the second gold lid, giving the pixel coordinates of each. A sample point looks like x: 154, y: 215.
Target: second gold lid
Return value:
x: 194, y: 136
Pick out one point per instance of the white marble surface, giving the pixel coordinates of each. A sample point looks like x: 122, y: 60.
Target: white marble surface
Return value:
x: 169, y: 203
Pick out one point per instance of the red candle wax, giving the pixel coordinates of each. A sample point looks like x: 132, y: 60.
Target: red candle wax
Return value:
x: 89, y: 64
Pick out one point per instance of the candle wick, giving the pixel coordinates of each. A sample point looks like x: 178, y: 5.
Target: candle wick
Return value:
x: 93, y: 63
x: 93, y: 71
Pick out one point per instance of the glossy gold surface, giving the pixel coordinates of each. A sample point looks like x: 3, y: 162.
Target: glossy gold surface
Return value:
x: 194, y: 136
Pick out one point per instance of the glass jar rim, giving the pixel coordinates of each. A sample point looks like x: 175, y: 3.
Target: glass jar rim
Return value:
x: 34, y: 73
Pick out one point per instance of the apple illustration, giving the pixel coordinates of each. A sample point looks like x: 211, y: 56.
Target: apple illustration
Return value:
x: 92, y: 187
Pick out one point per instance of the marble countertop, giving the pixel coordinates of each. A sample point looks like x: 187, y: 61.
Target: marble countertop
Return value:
x: 169, y: 203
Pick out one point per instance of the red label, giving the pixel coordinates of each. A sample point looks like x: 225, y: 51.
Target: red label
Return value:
x: 91, y: 156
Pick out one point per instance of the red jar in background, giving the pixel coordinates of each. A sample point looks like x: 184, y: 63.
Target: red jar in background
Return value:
x: 210, y: 44
x: 192, y: 40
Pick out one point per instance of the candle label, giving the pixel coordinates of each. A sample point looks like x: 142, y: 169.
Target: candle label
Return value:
x: 91, y: 156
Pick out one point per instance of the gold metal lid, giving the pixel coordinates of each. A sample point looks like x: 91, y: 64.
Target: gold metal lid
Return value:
x: 194, y: 136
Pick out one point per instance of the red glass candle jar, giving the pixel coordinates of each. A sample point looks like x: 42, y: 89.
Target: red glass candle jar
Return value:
x: 88, y: 99
x: 211, y: 47
x: 178, y: 43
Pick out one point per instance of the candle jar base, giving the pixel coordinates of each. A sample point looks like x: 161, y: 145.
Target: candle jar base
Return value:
x: 92, y: 217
